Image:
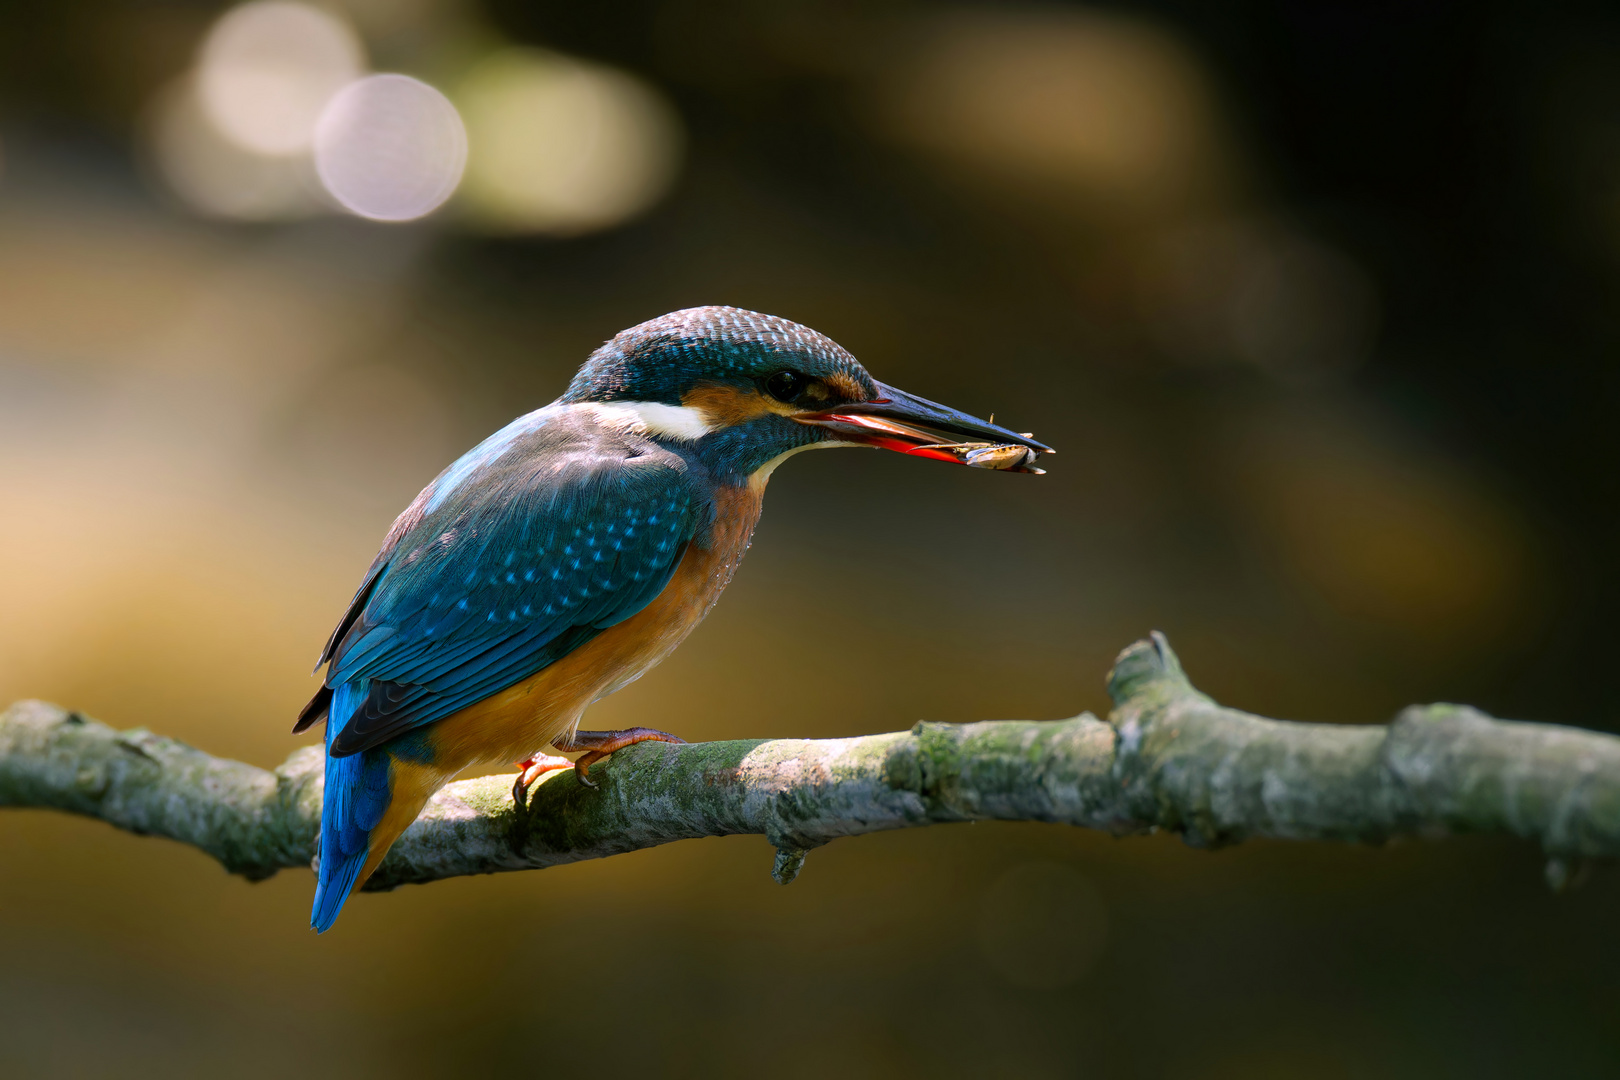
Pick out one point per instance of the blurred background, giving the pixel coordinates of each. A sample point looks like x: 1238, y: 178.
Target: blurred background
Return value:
x: 1317, y: 300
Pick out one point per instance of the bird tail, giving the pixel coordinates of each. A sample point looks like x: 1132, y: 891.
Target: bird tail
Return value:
x: 354, y: 801
x: 370, y: 798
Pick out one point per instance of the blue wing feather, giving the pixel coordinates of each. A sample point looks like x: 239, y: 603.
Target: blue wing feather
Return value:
x: 564, y: 533
x: 540, y: 538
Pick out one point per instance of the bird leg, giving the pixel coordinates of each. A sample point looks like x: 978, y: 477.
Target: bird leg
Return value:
x: 599, y: 744
x: 531, y: 770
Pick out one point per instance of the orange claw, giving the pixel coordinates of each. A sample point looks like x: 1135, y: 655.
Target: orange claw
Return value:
x: 531, y: 770
x: 599, y: 744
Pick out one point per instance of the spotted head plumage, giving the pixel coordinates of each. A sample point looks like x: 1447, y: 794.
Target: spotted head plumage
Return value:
x: 665, y: 359
x: 733, y: 382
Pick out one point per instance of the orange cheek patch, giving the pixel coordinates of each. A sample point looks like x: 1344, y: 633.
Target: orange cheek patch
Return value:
x: 845, y: 387
x: 725, y: 406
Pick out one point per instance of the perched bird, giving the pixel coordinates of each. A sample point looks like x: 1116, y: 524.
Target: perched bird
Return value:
x: 568, y: 553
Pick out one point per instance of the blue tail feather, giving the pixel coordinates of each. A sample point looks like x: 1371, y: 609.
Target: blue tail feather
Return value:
x: 357, y: 796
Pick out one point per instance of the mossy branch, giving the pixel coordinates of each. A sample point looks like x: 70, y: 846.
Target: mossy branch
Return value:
x: 1167, y: 758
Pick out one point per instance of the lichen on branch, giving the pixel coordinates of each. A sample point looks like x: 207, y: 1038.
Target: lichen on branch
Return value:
x: 1167, y: 758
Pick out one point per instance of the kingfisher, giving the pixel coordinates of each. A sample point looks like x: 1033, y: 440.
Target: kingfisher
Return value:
x: 571, y: 551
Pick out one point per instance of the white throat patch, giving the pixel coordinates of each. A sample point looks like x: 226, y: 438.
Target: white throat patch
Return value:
x: 651, y: 418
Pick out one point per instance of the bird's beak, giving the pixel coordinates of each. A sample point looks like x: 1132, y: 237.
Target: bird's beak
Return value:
x: 896, y: 420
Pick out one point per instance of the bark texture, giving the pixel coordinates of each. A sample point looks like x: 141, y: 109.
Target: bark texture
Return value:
x: 1167, y: 758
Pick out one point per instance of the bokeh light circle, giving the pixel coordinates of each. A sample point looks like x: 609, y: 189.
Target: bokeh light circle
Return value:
x: 563, y: 146
x: 267, y: 69
x: 390, y: 148
x: 216, y: 177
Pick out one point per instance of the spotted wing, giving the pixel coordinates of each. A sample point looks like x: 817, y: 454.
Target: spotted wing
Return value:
x: 520, y: 567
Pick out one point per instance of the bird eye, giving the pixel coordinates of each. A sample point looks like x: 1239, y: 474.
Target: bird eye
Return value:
x: 785, y: 385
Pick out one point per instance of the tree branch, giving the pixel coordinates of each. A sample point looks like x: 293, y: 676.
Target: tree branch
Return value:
x: 1168, y: 758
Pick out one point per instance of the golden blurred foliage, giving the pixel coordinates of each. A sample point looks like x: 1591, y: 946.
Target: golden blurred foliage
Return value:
x: 1091, y: 114
x: 1406, y: 547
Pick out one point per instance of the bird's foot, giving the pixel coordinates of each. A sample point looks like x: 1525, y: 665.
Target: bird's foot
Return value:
x: 531, y: 770
x: 599, y: 744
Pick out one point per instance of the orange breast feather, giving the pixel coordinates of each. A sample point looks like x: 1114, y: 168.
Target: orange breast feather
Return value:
x: 525, y: 717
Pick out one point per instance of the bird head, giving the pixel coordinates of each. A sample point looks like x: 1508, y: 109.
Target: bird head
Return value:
x: 751, y: 389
